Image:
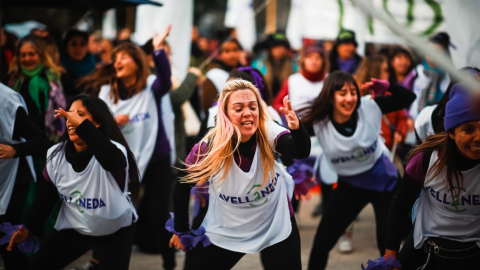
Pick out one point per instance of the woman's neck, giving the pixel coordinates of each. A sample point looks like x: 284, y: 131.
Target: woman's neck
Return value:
x: 79, y: 147
x: 129, y: 81
x: 400, y: 77
x: 340, y: 118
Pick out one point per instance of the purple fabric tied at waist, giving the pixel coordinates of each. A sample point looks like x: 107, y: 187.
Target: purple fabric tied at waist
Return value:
x: 189, y: 239
x: 201, y: 197
x: 303, y: 175
x: 31, y: 244
x: 382, y: 263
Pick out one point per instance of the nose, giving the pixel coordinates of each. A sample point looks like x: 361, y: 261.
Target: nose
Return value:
x: 247, y: 113
x: 349, y: 97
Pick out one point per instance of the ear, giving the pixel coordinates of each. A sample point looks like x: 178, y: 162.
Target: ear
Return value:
x: 451, y: 135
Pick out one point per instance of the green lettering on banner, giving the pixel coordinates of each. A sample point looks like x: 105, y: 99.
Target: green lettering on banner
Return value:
x: 340, y: 19
x: 385, y: 7
x: 410, y: 17
x: 437, y: 17
x: 370, y: 25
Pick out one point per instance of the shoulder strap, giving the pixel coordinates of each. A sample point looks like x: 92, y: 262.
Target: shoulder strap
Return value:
x: 426, y: 161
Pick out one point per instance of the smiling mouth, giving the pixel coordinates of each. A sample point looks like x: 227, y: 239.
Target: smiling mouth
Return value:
x: 475, y: 149
x: 247, y: 123
x: 71, y: 129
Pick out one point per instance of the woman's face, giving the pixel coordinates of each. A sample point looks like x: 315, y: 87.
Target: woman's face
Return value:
x: 77, y: 48
x: 346, y: 50
x: 313, y: 63
x: 242, y: 110
x: 384, y: 71
x: 77, y: 107
x: 230, y: 54
x: 124, y: 65
x: 467, y: 139
x: 278, y: 52
x: 29, y: 57
x: 401, y: 63
x: 345, y: 100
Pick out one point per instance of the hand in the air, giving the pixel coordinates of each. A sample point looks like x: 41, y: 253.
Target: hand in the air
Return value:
x: 292, y: 119
x: 17, y: 237
x: 159, y: 39
x: 72, y: 117
x: 6, y: 151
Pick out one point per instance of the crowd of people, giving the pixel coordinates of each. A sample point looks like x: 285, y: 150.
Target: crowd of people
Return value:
x: 102, y: 147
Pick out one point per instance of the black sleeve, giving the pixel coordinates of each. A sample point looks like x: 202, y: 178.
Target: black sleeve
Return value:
x: 108, y: 155
x: 181, y: 202
x: 37, y: 142
x: 295, y: 144
x: 45, y: 199
x: 402, y: 203
x: 400, y: 98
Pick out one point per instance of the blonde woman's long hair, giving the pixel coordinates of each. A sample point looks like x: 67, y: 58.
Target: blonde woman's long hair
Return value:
x: 223, y: 140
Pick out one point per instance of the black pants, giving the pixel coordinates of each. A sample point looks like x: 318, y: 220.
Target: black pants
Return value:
x: 412, y: 258
x: 15, y: 259
x: 345, y: 204
x: 283, y: 255
x: 60, y: 248
x: 153, y: 212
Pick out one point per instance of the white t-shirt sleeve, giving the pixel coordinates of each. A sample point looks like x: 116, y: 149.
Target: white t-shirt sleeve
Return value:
x: 274, y: 131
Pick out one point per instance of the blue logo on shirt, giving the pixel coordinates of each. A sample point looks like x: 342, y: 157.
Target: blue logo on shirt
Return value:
x: 359, y: 154
x: 86, y: 203
x: 255, y: 199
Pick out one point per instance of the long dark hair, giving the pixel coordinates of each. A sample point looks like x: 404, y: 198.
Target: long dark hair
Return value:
x: 447, y: 149
x: 322, y: 106
x: 102, y: 115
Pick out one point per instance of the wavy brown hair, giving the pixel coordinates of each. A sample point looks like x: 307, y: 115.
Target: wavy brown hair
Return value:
x: 106, y: 74
x: 446, y: 148
x: 370, y: 67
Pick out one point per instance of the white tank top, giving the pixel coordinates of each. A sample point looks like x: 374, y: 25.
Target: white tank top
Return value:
x: 218, y: 77
x: 10, y: 101
x: 423, y: 123
x: 358, y: 153
x: 302, y: 91
x: 92, y: 201
x: 141, y: 131
x: 437, y: 215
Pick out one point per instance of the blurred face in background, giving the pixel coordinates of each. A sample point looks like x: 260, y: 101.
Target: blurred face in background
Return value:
x: 106, y: 48
x: 401, y: 64
x: 93, y: 44
x: 29, y: 57
x: 230, y: 54
x: 203, y: 44
x: 313, y: 62
x: 278, y: 52
x: 125, y: 66
x: 346, y: 50
x: 77, y: 48
x: 384, y: 71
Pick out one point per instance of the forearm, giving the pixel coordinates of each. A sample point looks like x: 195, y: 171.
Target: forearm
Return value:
x: 181, y: 202
x: 184, y: 91
x: 400, y: 98
x: 162, y: 83
x: 110, y: 157
x: 295, y: 144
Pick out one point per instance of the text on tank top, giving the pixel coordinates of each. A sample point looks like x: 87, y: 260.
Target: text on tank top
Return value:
x: 440, y: 215
x: 92, y: 202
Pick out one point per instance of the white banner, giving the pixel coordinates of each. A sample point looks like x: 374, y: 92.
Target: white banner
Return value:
x: 109, y: 24
x: 240, y: 15
x: 178, y: 13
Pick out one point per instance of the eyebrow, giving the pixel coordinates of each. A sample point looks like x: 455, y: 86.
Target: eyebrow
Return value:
x: 244, y: 102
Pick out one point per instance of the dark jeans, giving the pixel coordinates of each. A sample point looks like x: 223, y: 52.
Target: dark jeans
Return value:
x: 60, y: 248
x: 344, y: 205
x: 153, y: 212
x: 283, y: 255
x: 15, y: 259
x: 412, y: 258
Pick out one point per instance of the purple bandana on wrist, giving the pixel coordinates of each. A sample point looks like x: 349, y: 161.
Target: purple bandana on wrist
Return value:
x: 189, y: 239
x: 31, y: 244
x: 382, y: 263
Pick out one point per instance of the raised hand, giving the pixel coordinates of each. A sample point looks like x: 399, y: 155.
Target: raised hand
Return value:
x: 292, y: 119
x: 73, y: 117
x: 17, y: 237
x: 159, y: 39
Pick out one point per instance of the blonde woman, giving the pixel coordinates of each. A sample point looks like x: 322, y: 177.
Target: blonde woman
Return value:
x: 249, y: 207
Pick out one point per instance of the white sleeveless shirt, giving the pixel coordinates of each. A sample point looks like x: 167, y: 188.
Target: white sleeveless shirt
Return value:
x: 141, y: 131
x: 423, y: 123
x: 244, y: 217
x: 11, y: 101
x: 302, y: 91
x: 356, y: 154
x: 437, y: 215
x: 92, y: 202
